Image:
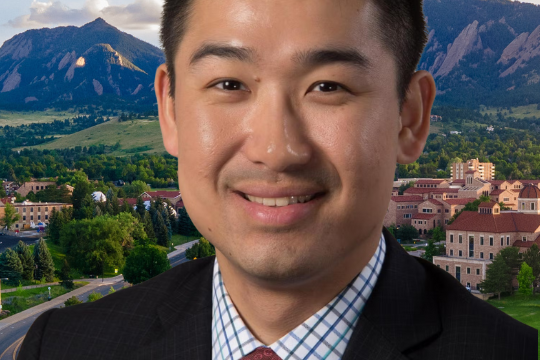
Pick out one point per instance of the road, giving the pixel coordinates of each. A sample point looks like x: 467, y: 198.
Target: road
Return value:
x: 11, y: 336
x: 7, y: 241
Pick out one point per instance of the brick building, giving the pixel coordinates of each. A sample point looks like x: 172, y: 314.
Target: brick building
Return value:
x: 33, y: 212
x: 401, y: 209
x: 486, y: 170
x: 34, y: 186
x: 474, y: 238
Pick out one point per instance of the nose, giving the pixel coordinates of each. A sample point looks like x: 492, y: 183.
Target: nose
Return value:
x: 278, y: 137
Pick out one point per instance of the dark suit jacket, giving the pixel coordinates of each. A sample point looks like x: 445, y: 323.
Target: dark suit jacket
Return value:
x: 416, y: 311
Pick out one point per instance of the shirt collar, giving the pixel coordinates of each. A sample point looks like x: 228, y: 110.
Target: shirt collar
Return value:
x: 324, y: 335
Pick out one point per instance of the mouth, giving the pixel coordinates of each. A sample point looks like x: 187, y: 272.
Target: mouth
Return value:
x: 280, y: 201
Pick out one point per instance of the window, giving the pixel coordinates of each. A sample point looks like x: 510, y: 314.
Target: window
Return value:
x: 451, y: 238
x: 481, y: 255
x: 24, y: 218
x: 477, y: 271
x: 439, y: 211
x: 532, y: 206
x: 39, y: 217
x: 31, y: 217
x: 446, y: 267
x: 407, y: 216
x: 24, y: 210
x: 460, y: 253
x: 446, y: 211
x: 46, y: 208
x: 522, y: 206
x: 491, y: 241
x: 446, y: 221
x: 427, y: 210
x: 471, y: 246
x: 524, y: 238
x: 415, y: 206
x: 468, y: 270
x: 415, y: 221
x: 38, y: 209
x: 490, y: 256
x: 460, y: 238
x: 31, y: 209
x: 502, y: 240
x: 399, y: 207
x: 46, y: 217
x: 469, y: 284
x: 507, y: 240
x: 506, y: 199
x: 451, y: 252
x: 481, y: 240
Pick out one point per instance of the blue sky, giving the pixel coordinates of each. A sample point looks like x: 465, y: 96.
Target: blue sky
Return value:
x: 137, y: 17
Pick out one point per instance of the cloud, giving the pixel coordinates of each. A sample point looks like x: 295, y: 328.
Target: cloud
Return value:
x: 138, y: 15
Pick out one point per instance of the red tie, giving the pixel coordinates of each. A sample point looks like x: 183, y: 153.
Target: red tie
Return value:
x: 262, y: 353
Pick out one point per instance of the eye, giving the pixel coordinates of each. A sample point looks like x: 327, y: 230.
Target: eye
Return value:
x: 328, y: 86
x: 230, y: 85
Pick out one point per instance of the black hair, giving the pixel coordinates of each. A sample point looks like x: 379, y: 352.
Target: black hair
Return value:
x: 401, y: 27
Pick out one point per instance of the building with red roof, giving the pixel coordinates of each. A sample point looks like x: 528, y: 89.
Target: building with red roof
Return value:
x: 474, y: 238
x: 401, y: 208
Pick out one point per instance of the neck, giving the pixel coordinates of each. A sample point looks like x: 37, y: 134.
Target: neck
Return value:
x: 271, y: 311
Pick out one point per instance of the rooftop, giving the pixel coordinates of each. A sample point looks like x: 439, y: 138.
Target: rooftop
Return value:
x: 500, y: 223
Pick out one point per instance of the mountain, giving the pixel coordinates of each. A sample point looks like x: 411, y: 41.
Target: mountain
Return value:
x: 77, y: 65
x: 483, y: 52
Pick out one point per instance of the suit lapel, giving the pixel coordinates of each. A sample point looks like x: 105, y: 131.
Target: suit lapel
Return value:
x: 183, y: 329
x: 401, y: 312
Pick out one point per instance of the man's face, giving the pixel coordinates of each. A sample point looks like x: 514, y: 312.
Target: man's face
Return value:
x: 313, y: 104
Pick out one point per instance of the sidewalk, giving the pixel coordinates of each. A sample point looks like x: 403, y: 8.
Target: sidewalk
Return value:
x: 29, y: 287
x: 57, y: 301
x: 181, y: 248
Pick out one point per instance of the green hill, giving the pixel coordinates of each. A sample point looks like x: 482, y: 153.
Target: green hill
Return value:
x: 134, y: 136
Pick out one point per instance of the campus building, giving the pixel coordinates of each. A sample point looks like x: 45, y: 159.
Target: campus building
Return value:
x: 459, y: 170
x: 31, y: 212
x: 474, y: 238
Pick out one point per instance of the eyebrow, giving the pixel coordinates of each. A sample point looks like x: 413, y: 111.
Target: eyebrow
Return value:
x: 307, y: 58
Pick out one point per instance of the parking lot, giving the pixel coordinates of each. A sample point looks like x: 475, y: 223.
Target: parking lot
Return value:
x: 7, y: 241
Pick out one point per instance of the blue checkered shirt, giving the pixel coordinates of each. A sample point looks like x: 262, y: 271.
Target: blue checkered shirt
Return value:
x: 324, y: 335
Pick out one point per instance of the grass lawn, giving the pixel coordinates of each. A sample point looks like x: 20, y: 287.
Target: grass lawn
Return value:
x: 25, y: 299
x: 178, y: 239
x: 524, y: 308
x: 137, y: 136
x: 13, y: 118
x: 518, y: 112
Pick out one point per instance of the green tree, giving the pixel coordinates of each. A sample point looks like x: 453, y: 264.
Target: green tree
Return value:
x: 102, y: 242
x: 406, y: 233
x: 438, y: 234
x: 43, y: 260
x: 532, y: 258
x: 161, y: 231
x: 136, y: 188
x: 392, y: 229
x: 11, y: 267
x: 27, y: 260
x: 10, y: 216
x: 80, y: 192
x: 498, y: 277
x: 513, y: 260
x: 404, y: 187
x: 141, y: 209
x: 145, y: 262
x: 115, y: 205
x: 185, y: 225
x: 149, y: 227
x: 430, y: 251
x: 56, y: 223
x: 525, y: 279
x: 65, y: 276
x: 202, y: 249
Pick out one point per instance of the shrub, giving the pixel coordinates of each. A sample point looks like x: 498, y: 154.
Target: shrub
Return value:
x: 72, y: 301
x: 94, y: 296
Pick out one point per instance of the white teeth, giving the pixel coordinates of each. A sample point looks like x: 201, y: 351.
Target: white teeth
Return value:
x: 283, y: 201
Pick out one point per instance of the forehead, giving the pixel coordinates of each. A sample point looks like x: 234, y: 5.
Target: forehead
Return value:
x: 276, y: 28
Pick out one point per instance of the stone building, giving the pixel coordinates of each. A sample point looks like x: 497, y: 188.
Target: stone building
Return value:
x: 474, y: 238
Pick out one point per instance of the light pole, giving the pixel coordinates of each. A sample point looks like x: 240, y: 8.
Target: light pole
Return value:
x: 50, y: 293
x: 1, y: 292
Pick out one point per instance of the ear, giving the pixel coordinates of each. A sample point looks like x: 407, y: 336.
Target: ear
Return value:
x: 167, y: 118
x: 414, y: 118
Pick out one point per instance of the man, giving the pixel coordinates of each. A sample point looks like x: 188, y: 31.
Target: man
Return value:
x: 287, y: 118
